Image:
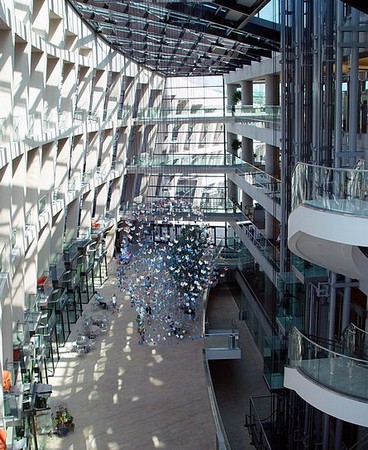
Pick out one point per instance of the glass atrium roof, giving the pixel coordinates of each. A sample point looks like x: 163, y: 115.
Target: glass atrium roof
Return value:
x: 184, y: 38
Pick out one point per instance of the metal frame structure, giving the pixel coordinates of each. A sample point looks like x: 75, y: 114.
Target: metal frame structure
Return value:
x: 187, y: 38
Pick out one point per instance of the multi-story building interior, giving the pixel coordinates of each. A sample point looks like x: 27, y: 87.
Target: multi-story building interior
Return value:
x: 256, y: 112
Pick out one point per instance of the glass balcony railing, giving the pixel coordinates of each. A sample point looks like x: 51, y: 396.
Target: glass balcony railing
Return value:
x: 262, y: 422
x: 270, y: 185
x: 337, y: 190
x: 44, y: 284
x: 232, y: 254
x: 160, y: 113
x: 2, y: 257
x: 19, y: 128
x: 355, y: 342
x: 183, y: 159
x: 307, y: 269
x: 269, y: 251
x: 50, y: 123
x: 57, y: 194
x: 64, y: 120
x: 117, y: 165
x: 74, y: 185
x: 108, y: 113
x: 87, y: 177
x: 79, y: 116
x: 71, y: 279
x: 261, y: 116
x: 326, y: 366
x: 124, y: 113
x: 71, y: 251
x: 57, y: 267
x: 29, y: 218
x: 3, y: 126
x: 101, y: 225
x: 42, y: 205
x: 102, y: 171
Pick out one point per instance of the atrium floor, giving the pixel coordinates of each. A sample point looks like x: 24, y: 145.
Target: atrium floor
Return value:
x: 125, y: 396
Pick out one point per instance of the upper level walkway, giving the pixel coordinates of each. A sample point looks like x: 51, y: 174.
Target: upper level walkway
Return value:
x: 186, y: 163
x: 259, y: 116
x: 261, y: 186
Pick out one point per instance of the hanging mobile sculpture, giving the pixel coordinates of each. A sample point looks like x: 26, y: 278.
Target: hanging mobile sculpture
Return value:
x: 167, y: 275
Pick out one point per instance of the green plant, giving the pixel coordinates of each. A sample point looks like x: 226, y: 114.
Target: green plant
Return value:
x: 236, y: 96
x: 63, y: 420
x: 236, y: 144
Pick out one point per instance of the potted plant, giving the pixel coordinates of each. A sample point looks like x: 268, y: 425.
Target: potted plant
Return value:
x: 63, y: 420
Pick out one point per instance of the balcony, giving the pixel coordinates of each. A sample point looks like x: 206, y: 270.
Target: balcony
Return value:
x: 71, y: 280
x: 32, y: 320
x: 262, y: 187
x: 329, y: 222
x: 74, y: 187
x: 327, y: 379
x: 101, y: 174
x: 5, y: 257
x: 43, y: 211
x: 64, y: 121
x: 5, y: 264
x: 30, y: 228
x: 262, y: 249
x: 57, y: 268
x: 101, y: 225
x: 44, y: 284
x: 222, y: 344
x: 87, y: 177
x: 57, y: 200
x: 117, y: 167
x: 71, y: 252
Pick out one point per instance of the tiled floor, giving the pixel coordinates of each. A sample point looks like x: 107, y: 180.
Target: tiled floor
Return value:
x: 132, y: 397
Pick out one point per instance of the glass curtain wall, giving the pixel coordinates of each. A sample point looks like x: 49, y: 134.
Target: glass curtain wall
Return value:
x: 190, y: 138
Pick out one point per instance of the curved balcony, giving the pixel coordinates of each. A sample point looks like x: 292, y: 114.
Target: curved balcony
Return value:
x: 327, y: 379
x: 328, y: 225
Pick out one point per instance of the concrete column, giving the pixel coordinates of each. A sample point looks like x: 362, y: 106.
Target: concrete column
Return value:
x: 231, y: 137
x: 232, y: 188
x: 272, y: 164
x: 232, y: 192
x: 272, y: 90
x: 246, y: 92
x: 230, y: 89
x: 247, y: 156
x: 346, y: 306
x: 247, y: 143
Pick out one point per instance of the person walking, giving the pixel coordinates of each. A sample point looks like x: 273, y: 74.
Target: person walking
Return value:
x: 113, y: 303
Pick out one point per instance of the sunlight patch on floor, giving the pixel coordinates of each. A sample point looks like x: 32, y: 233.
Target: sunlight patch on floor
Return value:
x: 93, y: 395
x: 158, y: 358
x: 155, y: 381
x: 127, y: 348
x: 157, y: 443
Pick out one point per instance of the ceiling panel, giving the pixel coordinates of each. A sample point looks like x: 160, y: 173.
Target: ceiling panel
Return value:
x: 184, y: 38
